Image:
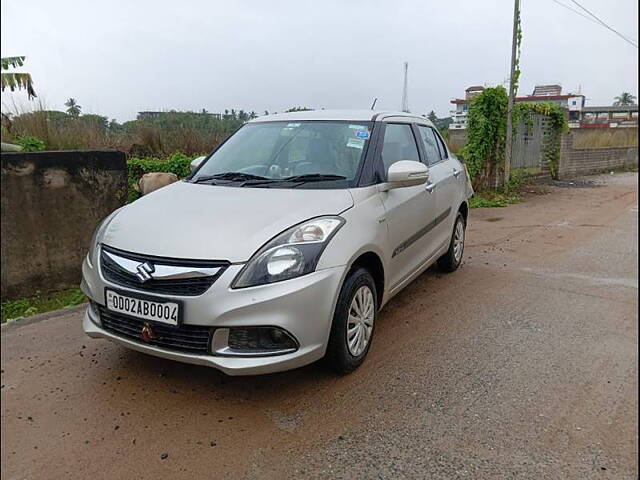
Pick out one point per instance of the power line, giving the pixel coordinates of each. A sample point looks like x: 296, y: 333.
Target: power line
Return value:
x: 606, y: 26
x: 576, y: 12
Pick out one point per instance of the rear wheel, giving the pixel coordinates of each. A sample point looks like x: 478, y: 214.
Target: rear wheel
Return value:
x: 451, y: 260
x: 353, y: 322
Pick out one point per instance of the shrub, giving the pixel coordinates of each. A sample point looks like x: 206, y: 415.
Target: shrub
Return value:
x: 177, y: 163
x: 486, y: 134
x: 30, y: 144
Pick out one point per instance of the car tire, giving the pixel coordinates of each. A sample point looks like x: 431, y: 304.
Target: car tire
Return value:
x: 343, y: 355
x: 450, y: 261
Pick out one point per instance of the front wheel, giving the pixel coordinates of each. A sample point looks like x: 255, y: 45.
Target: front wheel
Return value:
x: 353, y: 322
x: 451, y: 260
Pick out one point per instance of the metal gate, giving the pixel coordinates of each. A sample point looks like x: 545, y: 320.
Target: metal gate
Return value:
x: 528, y: 141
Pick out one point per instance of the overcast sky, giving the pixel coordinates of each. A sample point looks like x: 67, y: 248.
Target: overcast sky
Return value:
x: 118, y: 58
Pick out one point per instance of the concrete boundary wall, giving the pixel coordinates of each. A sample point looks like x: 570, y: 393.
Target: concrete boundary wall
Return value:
x: 51, y: 203
x: 583, y: 161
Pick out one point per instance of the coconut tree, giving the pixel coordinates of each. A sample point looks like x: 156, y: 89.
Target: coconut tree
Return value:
x: 625, y: 98
x: 16, y: 80
x: 74, y: 108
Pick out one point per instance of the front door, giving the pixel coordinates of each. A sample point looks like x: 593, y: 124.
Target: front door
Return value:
x: 410, y: 211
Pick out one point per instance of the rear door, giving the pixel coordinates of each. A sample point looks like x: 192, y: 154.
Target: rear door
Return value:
x: 444, y: 179
x: 409, y: 211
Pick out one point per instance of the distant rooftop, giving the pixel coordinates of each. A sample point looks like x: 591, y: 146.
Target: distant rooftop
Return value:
x: 540, y: 93
x: 540, y: 90
x: 611, y: 108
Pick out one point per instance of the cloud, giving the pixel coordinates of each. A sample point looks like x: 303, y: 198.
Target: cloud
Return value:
x: 118, y: 58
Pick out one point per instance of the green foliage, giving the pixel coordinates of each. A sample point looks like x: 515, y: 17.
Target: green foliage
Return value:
x: 74, y: 108
x: 100, y: 122
x: 486, y: 134
x: 14, y: 80
x: 30, y: 144
x: 625, y: 98
x: 493, y: 199
x: 298, y: 109
x: 26, y: 307
x: 516, y: 73
x: 176, y: 163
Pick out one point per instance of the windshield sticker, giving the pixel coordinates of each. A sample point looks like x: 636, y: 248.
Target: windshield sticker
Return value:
x: 357, y: 127
x: 292, y: 125
x: 355, y: 143
x: 363, y: 134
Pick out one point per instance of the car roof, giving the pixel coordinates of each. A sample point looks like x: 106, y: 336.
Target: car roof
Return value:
x: 349, y: 115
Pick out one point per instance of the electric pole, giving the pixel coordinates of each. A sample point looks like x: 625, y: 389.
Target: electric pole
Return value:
x: 512, y: 93
x: 405, y: 100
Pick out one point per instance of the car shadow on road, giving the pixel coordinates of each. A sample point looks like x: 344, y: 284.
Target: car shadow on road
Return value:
x: 159, y: 374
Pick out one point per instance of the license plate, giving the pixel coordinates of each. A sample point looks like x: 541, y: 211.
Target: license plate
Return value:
x: 163, y: 312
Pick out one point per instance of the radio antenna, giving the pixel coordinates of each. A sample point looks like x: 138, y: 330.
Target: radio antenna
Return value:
x: 374, y: 103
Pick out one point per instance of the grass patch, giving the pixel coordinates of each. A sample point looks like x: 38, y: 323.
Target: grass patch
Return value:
x: 631, y: 167
x: 26, y: 307
x: 493, y: 199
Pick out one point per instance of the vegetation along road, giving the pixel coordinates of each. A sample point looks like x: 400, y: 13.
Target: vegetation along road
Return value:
x: 521, y: 364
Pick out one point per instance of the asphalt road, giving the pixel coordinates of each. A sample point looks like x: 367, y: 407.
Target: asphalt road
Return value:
x: 523, y: 364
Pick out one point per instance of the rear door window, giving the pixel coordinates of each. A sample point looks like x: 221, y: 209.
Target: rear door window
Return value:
x: 430, y: 142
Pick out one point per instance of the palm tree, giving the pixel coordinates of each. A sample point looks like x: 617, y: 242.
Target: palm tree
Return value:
x: 16, y: 80
x: 74, y: 108
x: 625, y: 98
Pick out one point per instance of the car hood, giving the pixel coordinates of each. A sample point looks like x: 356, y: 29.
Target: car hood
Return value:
x: 192, y: 221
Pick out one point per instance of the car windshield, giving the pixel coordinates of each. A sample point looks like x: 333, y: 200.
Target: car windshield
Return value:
x: 289, y: 153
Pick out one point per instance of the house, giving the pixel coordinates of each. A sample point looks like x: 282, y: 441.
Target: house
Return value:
x: 572, y: 102
x: 460, y: 114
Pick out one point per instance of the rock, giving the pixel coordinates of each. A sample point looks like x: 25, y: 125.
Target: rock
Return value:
x: 150, y: 182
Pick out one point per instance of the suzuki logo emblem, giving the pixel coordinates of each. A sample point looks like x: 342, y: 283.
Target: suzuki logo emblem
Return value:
x: 144, y: 271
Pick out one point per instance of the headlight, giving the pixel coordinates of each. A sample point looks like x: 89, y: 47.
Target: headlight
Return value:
x: 293, y: 253
x: 97, y: 233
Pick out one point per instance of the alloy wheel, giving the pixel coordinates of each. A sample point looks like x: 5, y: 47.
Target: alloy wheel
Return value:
x: 360, y: 321
x: 458, y: 241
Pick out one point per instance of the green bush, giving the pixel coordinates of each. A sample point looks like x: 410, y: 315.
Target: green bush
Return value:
x: 177, y: 163
x: 30, y: 144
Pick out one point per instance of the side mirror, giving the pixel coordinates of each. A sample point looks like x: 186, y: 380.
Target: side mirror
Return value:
x: 195, y: 163
x: 406, y: 173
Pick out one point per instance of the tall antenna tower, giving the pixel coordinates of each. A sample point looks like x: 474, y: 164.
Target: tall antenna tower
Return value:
x: 405, y: 89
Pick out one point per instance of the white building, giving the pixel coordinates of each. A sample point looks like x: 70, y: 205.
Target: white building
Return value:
x: 574, y: 103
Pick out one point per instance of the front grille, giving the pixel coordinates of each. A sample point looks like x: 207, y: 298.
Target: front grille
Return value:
x: 184, y: 338
x: 184, y: 286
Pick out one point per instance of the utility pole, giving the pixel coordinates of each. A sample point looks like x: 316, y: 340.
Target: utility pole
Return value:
x: 512, y: 93
x: 405, y: 88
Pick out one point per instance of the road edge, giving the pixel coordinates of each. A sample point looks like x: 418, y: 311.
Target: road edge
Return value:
x: 23, y: 321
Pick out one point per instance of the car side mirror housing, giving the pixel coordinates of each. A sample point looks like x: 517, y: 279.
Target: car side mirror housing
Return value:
x: 195, y: 163
x: 406, y: 173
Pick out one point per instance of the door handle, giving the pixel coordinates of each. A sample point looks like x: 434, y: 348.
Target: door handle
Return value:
x: 430, y: 186
x: 456, y: 172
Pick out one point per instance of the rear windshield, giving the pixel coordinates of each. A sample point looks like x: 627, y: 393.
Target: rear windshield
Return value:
x: 277, y: 150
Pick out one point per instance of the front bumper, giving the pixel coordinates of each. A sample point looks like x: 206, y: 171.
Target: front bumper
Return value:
x: 302, y: 306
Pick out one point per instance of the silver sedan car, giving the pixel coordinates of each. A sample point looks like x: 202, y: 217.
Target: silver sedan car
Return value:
x: 282, y: 245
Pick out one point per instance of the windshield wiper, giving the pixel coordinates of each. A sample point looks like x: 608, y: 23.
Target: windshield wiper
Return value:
x: 231, y: 176
x: 313, y: 177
